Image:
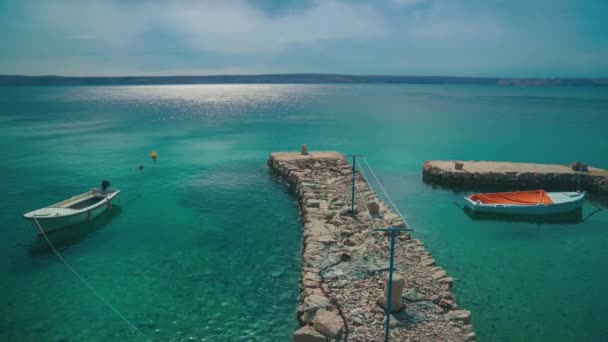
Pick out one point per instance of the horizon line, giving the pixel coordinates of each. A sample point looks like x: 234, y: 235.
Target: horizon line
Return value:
x: 311, y: 74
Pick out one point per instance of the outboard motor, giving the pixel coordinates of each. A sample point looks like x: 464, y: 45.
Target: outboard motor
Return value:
x: 105, y: 184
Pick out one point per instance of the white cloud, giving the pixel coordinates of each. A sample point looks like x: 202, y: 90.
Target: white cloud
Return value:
x: 233, y: 36
x: 449, y: 23
x: 236, y: 27
x: 218, y: 26
x: 410, y: 3
x: 103, y: 21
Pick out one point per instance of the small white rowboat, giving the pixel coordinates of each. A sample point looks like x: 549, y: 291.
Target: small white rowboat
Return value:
x: 77, y: 209
x: 536, y: 202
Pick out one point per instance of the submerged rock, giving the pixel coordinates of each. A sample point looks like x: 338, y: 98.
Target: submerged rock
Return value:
x: 470, y: 336
x: 439, y: 274
x: 308, y: 334
x: 427, y: 262
x: 447, y: 280
x: 463, y: 316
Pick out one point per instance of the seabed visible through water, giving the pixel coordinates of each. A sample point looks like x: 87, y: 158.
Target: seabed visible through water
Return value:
x: 210, y: 247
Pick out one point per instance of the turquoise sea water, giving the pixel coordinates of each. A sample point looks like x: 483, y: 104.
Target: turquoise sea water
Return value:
x: 205, y: 245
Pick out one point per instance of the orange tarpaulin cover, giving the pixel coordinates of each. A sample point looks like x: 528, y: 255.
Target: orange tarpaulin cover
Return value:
x: 519, y: 197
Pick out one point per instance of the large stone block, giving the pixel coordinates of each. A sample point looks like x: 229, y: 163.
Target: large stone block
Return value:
x: 463, y: 316
x: 397, y: 290
x: 328, y: 323
x: 310, y: 306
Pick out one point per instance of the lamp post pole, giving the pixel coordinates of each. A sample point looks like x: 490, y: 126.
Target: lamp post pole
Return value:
x: 390, y: 276
x: 352, y: 194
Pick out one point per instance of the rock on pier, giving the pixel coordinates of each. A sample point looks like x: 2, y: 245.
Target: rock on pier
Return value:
x: 515, y: 176
x: 345, y: 262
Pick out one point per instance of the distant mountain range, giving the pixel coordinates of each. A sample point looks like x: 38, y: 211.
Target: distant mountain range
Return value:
x: 298, y: 78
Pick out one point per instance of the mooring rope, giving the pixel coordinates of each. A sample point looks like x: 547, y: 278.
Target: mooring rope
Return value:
x: 458, y: 204
x: 597, y: 210
x: 390, y: 222
x: 333, y: 299
x: 386, y: 194
x: 365, y: 204
x: 88, y: 285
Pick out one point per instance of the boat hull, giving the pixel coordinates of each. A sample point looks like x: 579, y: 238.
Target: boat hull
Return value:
x: 49, y: 223
x: 527, y: 209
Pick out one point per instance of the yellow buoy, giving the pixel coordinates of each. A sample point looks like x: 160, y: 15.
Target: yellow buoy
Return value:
x: 153, y: 154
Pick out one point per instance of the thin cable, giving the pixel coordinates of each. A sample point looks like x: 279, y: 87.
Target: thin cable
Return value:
x: 88, y: 285
x: 386, y: 194
x: 390, y: 222
x: 365, y: 204
x: 381, y: 187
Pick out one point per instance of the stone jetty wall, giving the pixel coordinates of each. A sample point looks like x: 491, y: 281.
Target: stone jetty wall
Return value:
x: 345, y: 262
x: 516, y: 176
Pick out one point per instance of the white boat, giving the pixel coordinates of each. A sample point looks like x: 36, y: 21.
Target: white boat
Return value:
x: 78, y: 209
x: 536, y: 202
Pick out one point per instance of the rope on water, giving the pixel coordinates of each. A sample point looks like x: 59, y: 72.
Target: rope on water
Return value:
x: 386, y: 194
x: 458, y: 204
x: 599, y: 208
x: 88, y: 285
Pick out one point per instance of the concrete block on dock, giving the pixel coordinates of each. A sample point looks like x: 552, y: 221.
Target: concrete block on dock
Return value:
x: 373, y: 208
x: 578, y: 166
x: 396, y: 295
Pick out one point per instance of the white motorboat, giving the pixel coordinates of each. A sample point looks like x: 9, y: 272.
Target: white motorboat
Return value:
x: 77, y: 209
x: 536, y: 202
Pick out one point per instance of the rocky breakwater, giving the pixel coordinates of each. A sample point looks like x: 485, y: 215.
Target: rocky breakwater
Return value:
x: 345, y: 262
x: 516, y: 176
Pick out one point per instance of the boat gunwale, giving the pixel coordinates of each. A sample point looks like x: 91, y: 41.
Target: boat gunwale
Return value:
x: 543, y: 208
x: 110, y: 195
x: 580, y: 196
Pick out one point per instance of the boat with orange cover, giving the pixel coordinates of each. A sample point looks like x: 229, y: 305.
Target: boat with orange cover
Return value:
x: 534, y: 202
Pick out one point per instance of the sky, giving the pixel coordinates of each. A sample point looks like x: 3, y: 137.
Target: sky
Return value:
x: 497, y: 38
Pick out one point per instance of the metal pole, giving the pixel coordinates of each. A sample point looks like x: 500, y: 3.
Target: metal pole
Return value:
x: 352, y: 198
x: 390, y: 286
x: 390, y: 275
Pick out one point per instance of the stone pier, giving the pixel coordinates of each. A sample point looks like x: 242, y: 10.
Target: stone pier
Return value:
x: 516, y: 176
x: 345, y: 262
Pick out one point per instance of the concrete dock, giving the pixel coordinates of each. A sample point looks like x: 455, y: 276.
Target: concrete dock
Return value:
x: 515, y: 176
x: 345, y: 262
